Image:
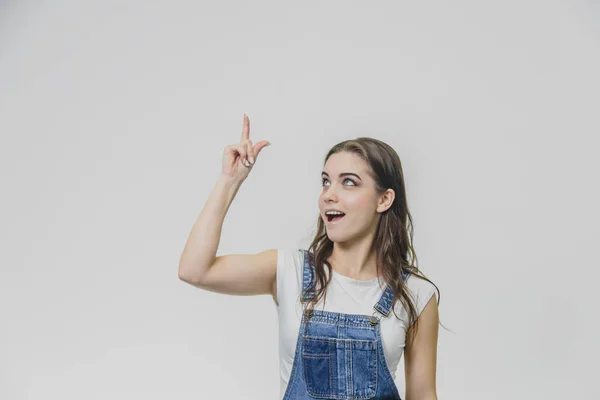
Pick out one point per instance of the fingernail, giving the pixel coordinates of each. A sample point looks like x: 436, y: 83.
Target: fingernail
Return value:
x: 251, y: 160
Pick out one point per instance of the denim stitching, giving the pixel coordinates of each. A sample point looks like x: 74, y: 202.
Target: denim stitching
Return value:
x: 328, y: 339
x: 355, y: 321
x: 334, y: 390
x: 372, y: 352
x: 349, y: 380
x: 317, y: 394
x: 376, y: 373
x: 386, y: 370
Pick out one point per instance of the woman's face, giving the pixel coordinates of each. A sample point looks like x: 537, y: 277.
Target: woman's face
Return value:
x: 348, y: 188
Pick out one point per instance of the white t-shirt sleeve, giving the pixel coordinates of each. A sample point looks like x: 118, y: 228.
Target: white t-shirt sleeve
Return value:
x: 422, y: 292
x: 281, y: 254
x: 288, y: 274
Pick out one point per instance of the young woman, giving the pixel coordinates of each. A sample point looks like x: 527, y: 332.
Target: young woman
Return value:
x: 351, y: 304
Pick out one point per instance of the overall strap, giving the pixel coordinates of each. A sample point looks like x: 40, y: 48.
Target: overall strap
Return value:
x: 308, y: 275
x: 384, y: 304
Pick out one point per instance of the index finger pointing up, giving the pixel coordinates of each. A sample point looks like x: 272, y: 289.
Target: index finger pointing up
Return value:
x: 246, y: 128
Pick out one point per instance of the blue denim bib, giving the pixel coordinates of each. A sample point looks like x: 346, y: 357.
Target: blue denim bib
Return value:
x: 340, y: 356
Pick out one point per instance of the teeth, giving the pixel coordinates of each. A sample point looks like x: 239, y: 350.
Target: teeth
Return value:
x: 334, y: 213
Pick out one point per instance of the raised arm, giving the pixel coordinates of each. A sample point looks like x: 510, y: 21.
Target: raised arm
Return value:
x: 242, y: 274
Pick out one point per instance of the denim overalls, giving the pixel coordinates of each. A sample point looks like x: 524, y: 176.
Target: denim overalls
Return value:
x: 340, y: 356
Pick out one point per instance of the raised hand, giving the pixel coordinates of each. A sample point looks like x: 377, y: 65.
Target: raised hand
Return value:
x: 238, y: 159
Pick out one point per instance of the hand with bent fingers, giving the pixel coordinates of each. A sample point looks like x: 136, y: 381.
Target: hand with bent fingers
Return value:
x: 238, y: 159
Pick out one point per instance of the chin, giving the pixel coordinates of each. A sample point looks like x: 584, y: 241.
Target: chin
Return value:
x: 336, y: 237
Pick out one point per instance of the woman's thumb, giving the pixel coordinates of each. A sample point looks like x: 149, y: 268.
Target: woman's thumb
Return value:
x: 259, y: 146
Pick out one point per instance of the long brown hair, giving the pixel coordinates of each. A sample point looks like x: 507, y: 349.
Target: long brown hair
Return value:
x: 393, y: 239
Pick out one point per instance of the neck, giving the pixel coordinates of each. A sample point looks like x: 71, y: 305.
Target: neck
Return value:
x: 356, y: 258
x: 356, y: 261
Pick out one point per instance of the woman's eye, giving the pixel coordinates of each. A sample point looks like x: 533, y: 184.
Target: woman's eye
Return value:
x: 347, y: 179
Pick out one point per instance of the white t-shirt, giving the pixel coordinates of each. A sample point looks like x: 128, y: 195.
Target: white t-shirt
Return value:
x: 344, y: 295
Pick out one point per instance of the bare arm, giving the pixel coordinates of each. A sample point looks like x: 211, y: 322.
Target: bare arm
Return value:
x: 242, y: 274
x: 420, y: 356
x: 201, y: 247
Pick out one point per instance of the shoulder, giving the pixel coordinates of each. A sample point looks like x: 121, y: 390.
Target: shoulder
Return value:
x: 289, y: 266
x: 421, y: 291
x: 289, y: 258
x: 289, y: 275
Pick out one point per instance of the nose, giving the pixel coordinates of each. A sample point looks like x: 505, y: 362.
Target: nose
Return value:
x: 330, y: 194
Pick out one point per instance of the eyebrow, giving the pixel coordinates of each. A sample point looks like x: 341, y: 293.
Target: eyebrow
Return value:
x: 342, y: 174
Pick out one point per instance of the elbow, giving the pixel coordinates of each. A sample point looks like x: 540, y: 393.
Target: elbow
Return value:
x: 182, y: 277
x: 186, y: 276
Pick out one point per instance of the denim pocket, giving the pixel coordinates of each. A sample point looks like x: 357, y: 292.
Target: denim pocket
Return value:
x: 340, y: 368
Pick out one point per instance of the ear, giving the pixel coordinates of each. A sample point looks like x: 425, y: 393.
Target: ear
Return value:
x: 386, y: 200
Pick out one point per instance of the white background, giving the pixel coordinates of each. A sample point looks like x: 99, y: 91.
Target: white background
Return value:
x: 113, y: 119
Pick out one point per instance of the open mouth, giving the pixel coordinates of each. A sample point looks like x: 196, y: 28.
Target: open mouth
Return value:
x: 333, y: 218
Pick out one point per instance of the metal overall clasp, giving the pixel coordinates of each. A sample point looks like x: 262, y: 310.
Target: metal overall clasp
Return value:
x: 374, y: 319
